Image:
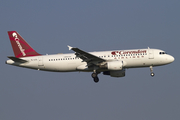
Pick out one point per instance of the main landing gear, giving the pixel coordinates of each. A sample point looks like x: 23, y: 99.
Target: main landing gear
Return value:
x: 94, y: 76
x: 151, y: 69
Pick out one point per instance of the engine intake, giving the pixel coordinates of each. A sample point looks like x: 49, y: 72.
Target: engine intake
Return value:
x: 115, y: 65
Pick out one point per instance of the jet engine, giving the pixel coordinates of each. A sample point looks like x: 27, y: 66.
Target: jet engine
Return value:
x: 117, y: 73
x: 115, y: 65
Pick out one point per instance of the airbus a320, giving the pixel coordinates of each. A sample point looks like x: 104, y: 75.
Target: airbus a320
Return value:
x: 112, y: 63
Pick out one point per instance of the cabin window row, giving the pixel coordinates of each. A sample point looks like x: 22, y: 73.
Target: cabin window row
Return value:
x: 62, y: 59
x: 123, y: 55
x: 99, y: 56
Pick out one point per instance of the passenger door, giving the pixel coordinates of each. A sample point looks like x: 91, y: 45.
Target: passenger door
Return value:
x: 151, y: 54
x: 40, y: 61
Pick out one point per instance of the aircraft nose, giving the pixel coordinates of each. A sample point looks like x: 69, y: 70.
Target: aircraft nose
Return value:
x: 171, y: 58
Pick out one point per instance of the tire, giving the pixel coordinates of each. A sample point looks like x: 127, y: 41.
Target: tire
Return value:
x: 96, y: 79
x: 152, y: 74
x: 94, y: 75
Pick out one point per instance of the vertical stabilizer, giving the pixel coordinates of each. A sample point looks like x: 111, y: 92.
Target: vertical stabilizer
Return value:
x: 20, y: 47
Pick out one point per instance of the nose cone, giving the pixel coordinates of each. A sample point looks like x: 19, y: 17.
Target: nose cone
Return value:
x: 171, y: 59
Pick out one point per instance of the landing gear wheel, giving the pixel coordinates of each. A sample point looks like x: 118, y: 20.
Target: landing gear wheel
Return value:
x: 94, y: 75
x: 152, y: 74
x: 96, y: 79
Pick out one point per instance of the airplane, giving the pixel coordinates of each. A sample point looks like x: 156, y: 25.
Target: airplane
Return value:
x: 112, y: 63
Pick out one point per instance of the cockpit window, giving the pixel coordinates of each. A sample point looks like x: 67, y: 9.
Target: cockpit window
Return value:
x: 162, y: 53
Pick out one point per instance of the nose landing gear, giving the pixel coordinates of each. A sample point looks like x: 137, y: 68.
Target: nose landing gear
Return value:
x: 151, y: 69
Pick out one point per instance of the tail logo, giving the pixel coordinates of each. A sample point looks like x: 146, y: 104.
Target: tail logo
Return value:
x: 18, y: 43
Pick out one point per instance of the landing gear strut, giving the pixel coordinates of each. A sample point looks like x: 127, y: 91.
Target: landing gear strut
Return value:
x: 95, y: 77
x: 151, y: 69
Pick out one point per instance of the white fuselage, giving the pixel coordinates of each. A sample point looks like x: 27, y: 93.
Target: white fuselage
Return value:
x: 69, y: 62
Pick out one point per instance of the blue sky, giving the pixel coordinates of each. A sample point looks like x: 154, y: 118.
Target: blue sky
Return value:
x: 49, y: 26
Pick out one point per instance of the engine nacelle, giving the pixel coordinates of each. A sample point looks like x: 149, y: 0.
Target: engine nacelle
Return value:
x: 115, y: 65
x: 118, y: 73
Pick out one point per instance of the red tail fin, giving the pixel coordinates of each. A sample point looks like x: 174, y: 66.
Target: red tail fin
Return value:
x: 20, y: 47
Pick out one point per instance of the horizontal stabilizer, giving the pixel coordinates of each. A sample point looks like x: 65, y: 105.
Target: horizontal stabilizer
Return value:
x: 15, y: 59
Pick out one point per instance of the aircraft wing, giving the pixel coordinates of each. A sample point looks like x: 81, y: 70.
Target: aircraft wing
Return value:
x: 86, y: 57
